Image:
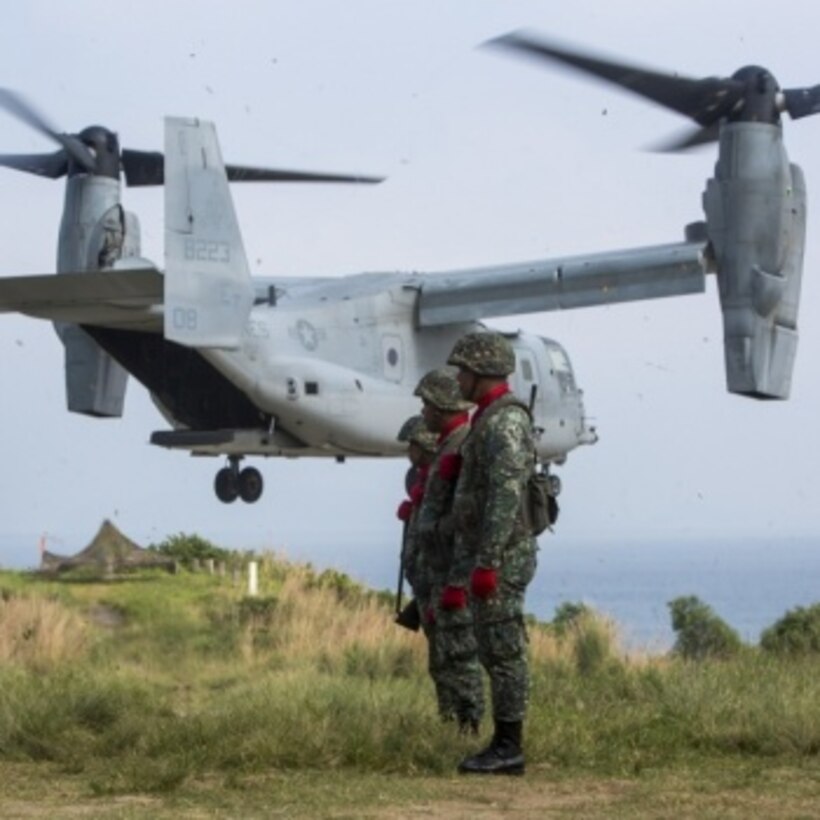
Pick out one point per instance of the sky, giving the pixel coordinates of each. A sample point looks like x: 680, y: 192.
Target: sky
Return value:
x: 488, y: 159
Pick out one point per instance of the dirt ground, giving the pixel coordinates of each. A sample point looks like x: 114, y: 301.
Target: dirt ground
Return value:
x: 732, y: 792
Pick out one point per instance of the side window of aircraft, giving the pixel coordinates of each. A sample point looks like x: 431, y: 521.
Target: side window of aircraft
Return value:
x: 526, y: 373
x: 392, y: 357
x: 560, y: 367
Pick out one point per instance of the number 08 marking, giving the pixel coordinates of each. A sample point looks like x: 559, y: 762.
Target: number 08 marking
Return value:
x: 184, y: 318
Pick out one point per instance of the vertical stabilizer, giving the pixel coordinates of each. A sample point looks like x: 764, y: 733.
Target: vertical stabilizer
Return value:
x: 208, y: 291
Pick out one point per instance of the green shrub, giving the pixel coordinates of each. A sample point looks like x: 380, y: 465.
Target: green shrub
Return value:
x: 567, y: 615
x: 700, y: 632
x: 188, y: 548
x: 594, y: 643
x: 344, y: 587
x: 257, y: 611
x: 796, y: 633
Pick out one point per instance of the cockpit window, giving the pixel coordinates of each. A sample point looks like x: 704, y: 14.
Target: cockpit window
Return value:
x: 560, y: 366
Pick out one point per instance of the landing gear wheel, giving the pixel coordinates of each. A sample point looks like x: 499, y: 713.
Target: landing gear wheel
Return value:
x: 250, y: 484
x: 226, y: 485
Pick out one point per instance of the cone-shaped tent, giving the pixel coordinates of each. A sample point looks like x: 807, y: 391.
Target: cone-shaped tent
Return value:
x: 109, y: 550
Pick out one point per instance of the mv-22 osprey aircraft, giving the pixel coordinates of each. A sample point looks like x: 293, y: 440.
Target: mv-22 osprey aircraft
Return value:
x: 326, y: 366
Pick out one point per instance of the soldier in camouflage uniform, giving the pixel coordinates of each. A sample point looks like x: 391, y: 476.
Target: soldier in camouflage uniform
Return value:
x: 495, y: 551
x: 421, y: 448
x: 452, y: 638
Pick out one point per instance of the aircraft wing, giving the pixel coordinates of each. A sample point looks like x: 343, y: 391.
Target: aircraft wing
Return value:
x: 560, y: 284
x: 120, y: 298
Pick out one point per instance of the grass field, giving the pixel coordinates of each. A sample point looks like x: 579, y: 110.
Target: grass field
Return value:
x: 177, y: 695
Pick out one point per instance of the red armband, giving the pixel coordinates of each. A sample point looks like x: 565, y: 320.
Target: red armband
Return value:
x: 454, y: 598
x: 483, y: 582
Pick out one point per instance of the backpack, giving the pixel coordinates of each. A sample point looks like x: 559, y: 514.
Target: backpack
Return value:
x: 540, y: 505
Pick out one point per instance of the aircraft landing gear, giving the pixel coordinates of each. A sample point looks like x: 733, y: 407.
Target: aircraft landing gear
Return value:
x: 232, y: 483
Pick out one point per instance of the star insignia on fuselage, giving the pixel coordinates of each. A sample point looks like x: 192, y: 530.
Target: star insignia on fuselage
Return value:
x: 307, y: 334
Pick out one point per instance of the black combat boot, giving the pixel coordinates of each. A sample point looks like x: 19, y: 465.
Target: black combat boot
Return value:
x: 504, y: 755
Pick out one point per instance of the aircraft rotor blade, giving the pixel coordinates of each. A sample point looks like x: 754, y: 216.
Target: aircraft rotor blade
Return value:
x: 705, y: 101
x: 142, y: 167
x: 801, y: 102
x: 241, y: 173
x: 52, y: 166
x: 690, y: 138
x: 148, y: 168
x: 18, y: 107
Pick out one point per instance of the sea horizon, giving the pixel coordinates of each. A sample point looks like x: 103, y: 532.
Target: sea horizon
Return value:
x: 748, y: 582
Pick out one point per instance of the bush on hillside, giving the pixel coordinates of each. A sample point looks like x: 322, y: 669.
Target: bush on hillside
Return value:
x: 567, y: 615
x: 188, y: 548
x: 700, y: 632
x: 591, y: 636
x: 796, y: 633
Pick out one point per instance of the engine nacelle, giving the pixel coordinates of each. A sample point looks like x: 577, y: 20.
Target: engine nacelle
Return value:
x: 95, y: 383
x: 756, y: 219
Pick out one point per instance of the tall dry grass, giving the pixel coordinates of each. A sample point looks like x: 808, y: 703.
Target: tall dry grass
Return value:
x: 590, y: 642
x: 310, y: 626
x: 195, y: 678
x: 40, y: 633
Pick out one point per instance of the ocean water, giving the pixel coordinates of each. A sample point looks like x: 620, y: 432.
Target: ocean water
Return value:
x: 749, y: 583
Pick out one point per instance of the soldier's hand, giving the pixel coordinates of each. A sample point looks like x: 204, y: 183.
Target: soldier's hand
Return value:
x: 483, y: 582
x: 453, y: 598
x: 404, y: 510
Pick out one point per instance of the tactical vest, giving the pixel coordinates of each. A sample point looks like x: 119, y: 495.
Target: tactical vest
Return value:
x: 539, y: 508
x: 470, y: 517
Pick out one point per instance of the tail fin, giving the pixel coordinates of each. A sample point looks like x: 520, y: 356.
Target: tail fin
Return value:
x: 208, y: 289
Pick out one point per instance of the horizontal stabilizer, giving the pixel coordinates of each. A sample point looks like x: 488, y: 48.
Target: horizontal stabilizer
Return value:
x: 119, y: 298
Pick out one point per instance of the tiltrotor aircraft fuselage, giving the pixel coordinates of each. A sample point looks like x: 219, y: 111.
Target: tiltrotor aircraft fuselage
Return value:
x: 326, y: 367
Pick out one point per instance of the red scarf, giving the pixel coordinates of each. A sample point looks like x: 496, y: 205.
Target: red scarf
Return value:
x: 453, y: 424
x: 488, y: 398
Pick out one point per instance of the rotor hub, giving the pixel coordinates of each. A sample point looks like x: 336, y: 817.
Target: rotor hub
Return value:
x: 105, y: 147
x: 759, y: 100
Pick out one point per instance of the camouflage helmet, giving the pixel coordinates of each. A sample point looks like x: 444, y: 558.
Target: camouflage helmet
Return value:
x: 486, y: 354
x: 414, y: 431
x: 440, y: 388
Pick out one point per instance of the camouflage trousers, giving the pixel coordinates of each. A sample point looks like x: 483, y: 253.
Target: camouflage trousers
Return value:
x: 502, y: 636
x: 455, y: 666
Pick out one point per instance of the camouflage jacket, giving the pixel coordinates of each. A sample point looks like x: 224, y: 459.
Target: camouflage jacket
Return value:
x: 498, y: 458
x: 435, y: 528
x: 409, y: 552
x: 410, y: 558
